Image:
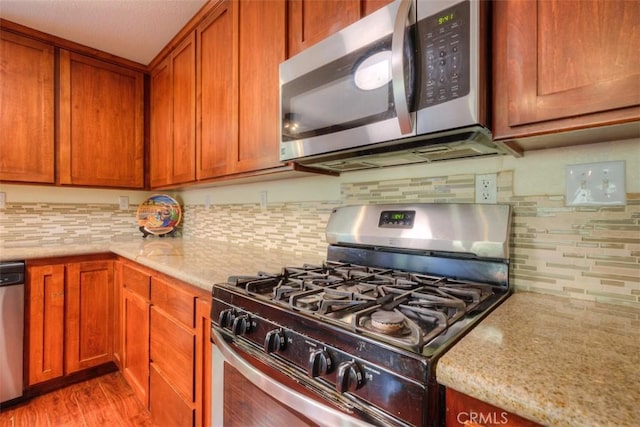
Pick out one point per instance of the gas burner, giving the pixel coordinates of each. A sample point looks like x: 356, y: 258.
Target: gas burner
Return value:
x: 387, y: 322
x: 309, y: 302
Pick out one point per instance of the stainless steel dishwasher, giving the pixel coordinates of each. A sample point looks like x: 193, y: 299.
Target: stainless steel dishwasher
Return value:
x: 11, y: 330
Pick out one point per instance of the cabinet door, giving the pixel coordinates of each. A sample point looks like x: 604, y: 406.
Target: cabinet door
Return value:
x: 161, y: 126
x: 89, y: 315
x: 167, y: 407
x: 563, y: 65
x: 173, y: 117
x: 45, y: 319
x: 173, y: 353
x: 218, y: 91
x: 310, y: 21
x: 26, y: 105
x: 262, y: 46
x: 370, y: 6
x: 183, y: 64
x: 101, y: 124
x: 135, y: 346
x: 117, y: 314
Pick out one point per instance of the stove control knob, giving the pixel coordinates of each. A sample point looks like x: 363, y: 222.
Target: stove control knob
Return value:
x: 225, y: 318
x: 241, y: 325
x: 349, y: 377
x: 274, y: 341
x: 319, y: 363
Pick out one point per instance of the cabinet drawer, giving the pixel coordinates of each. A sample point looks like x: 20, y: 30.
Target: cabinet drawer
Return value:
x: 174, y: 301
x: 167, y: 407
x: 173, y: 352
x: 136, y: 280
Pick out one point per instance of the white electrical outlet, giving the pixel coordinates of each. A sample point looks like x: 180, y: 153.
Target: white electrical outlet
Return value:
x: 595, y: 184
x: 124, y: 203
x: 3, y: 200
x: 487, y: 188
x: 263, y: 200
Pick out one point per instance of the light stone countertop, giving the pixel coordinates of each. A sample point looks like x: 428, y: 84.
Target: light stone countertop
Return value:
x: 553, y: 360
x: 199, y: 262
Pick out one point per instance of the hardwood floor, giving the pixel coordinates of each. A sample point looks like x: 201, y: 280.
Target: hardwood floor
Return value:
x: 104, y: 401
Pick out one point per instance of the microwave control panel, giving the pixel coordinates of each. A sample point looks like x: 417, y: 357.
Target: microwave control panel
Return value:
x: 443, y: 43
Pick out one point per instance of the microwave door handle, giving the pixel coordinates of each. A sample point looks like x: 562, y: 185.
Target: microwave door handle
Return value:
x: 397, y: 68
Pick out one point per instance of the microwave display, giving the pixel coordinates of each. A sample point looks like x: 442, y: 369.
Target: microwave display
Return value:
x: 443, y: 41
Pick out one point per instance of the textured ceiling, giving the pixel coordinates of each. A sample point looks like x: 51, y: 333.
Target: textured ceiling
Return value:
x: 133, y: 29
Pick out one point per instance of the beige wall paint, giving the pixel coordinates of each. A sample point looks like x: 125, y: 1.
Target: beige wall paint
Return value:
x: 537, y: 173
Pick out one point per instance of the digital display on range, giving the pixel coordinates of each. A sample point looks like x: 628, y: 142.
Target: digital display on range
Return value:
x: 397, y: 219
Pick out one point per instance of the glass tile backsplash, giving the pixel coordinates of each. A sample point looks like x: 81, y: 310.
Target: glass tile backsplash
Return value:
x: 590, y: 253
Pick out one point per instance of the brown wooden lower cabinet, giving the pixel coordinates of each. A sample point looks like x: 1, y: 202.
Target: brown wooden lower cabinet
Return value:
x: 135, y: 345
x: 89, y: 315
x: 167, y: 407
x: 173, y: 352
x: 69, y: 316
x: 467, y: 411
x: 45, y: 322
x: 203, y: 361
x: 86, y: 312
x: 166, y: 351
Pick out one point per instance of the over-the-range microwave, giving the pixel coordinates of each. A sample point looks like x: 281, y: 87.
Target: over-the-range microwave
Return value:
x: 406, y: 84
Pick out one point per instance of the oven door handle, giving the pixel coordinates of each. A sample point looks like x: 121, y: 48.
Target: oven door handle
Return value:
x: 317, y: 412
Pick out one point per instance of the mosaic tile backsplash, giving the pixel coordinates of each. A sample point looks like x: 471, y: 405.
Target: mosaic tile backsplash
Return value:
x: 587, y: 253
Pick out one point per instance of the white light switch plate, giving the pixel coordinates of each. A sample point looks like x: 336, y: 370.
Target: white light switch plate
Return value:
x: 596, y: 184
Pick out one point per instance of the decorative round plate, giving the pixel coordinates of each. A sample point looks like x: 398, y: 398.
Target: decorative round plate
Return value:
x: 159, y: 214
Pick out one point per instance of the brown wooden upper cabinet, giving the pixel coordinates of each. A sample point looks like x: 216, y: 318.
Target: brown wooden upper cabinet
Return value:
x: 262, y: 47
x: 562, y: 65
x: 217, y: 68
x: 173, y: 117
x: 27, y: 110
x: 101, y: 123
x: 310, y: 21
x: 240, y: 45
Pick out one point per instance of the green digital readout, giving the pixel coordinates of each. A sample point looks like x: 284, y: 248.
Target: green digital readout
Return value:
x: 396, y: 219
x: 446, y: 18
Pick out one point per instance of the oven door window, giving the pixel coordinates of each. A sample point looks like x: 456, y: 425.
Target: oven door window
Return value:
x: 247, y: 405
x: 352, y: 91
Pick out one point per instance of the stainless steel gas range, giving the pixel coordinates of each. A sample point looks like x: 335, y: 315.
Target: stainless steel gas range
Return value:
x: 355, y: 341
